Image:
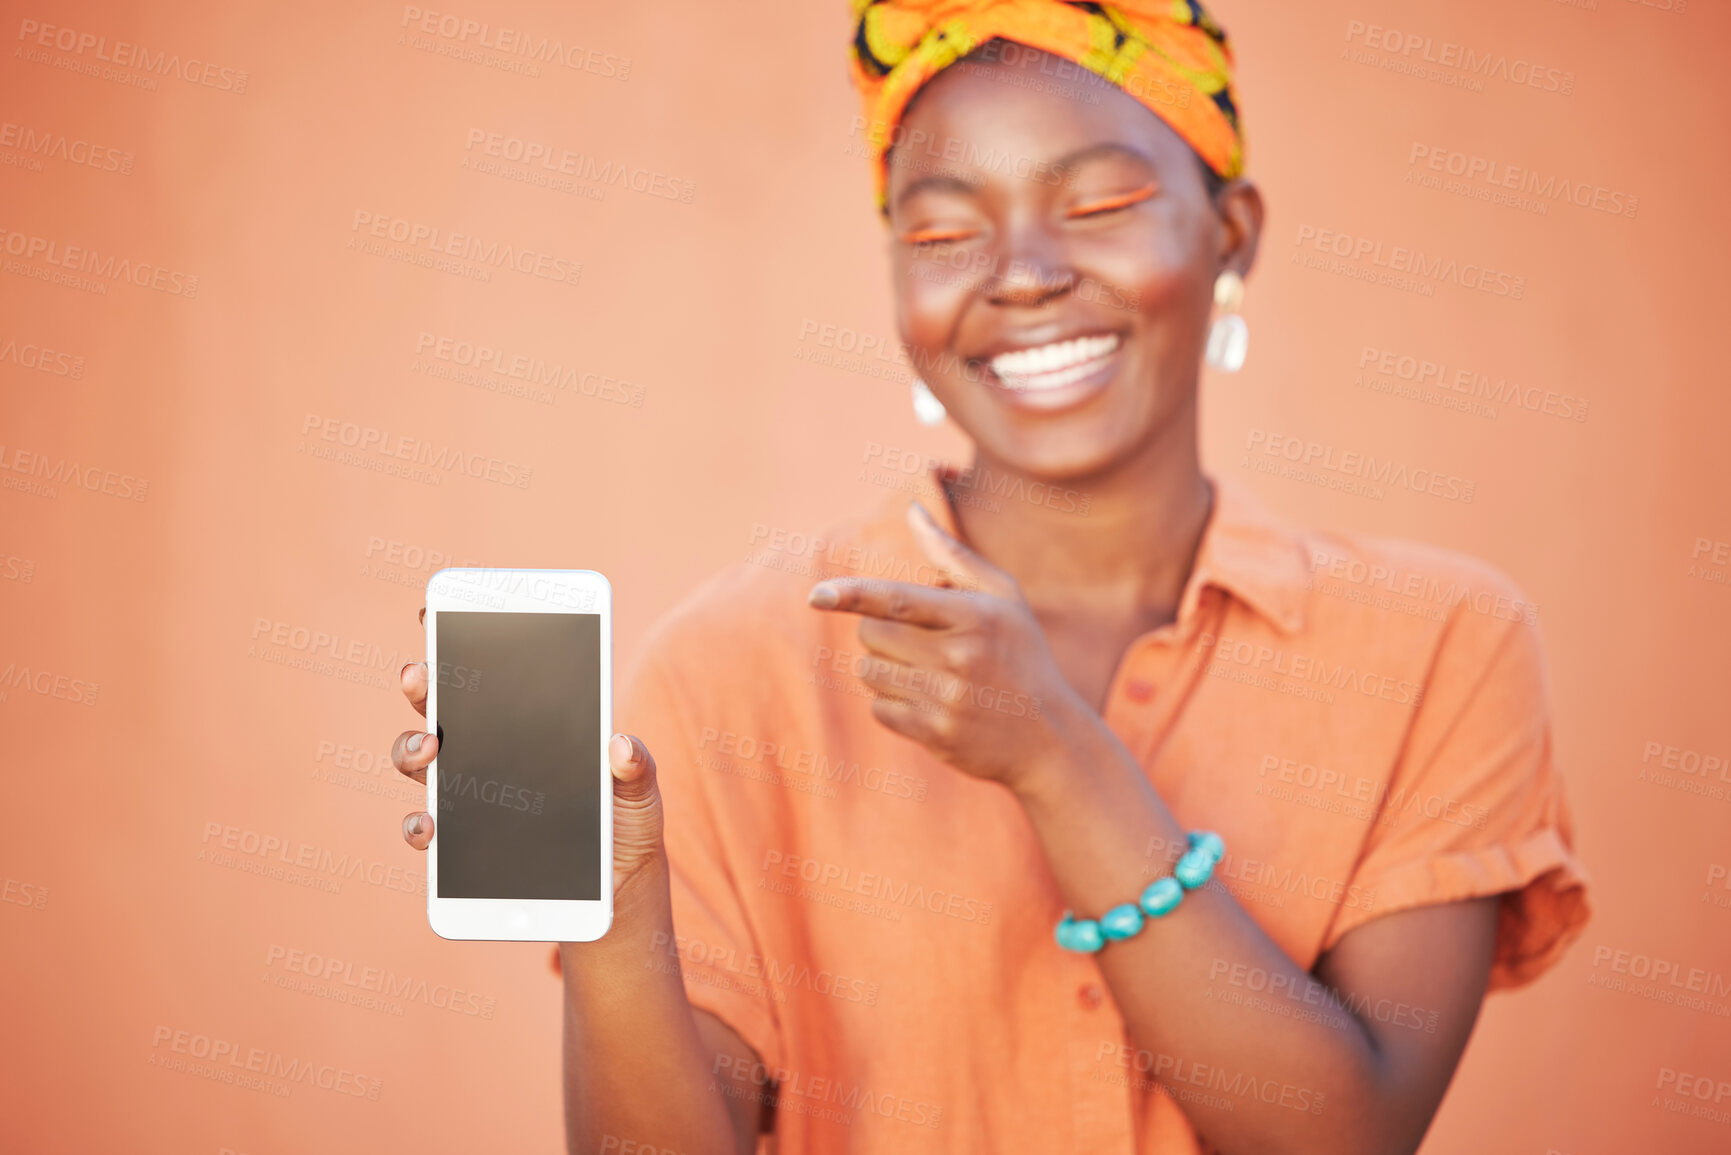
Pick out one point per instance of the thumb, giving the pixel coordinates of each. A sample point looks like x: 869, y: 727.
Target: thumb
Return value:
x: 964, y: 568
x: 633, y: 770
x: 636, y: 807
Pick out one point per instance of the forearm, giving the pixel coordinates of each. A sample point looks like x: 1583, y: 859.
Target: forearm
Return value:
x: 635, y: 1066
x: 1319, y: 1084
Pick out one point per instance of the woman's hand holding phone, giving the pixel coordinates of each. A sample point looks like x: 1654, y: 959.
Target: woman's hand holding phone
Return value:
x: 636, y: 798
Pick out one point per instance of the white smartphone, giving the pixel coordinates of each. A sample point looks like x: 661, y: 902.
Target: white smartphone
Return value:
x: 519, y: 691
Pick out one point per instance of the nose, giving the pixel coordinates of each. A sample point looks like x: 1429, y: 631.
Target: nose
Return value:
x: 1031, y: 269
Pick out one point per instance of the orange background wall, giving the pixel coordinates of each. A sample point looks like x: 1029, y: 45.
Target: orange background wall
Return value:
x: 702, y: 406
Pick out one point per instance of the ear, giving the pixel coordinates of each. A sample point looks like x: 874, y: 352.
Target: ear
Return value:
x: 1241, y: 211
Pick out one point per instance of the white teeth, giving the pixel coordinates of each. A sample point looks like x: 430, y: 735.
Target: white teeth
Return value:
x: 1053, y: 366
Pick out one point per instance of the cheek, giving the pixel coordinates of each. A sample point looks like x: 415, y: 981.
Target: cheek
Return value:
x: 931, y: 296
x: 1141, y: 277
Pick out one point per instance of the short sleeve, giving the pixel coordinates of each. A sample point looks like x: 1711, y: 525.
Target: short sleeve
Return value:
x: 718, y: 954
x: 1475, y: 807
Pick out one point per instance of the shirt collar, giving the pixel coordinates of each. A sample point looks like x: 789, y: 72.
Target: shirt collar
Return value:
x: 1247, y: 551
x: 1254, y: 555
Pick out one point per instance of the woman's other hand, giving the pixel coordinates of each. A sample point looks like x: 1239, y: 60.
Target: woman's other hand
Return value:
x: 965, y: 671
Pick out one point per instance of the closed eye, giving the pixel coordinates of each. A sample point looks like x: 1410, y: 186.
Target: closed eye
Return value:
x: 1111, y: 204
x: 938, y: 236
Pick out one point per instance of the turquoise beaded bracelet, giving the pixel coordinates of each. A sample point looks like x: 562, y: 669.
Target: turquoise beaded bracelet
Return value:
x: 1194, y: 868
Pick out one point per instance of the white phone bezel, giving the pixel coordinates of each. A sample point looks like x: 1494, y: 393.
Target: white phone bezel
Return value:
x: 522, y: 591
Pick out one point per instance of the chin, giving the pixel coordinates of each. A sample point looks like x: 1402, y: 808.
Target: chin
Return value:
x: 1062, y: 452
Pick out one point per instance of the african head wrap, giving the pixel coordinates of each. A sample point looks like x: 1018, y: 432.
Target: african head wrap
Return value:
x: 1168, y: 54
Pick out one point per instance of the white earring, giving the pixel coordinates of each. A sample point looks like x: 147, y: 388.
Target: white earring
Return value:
x: 1229, y: 336
x: 928, y: 410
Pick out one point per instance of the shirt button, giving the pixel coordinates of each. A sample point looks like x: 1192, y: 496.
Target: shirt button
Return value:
x: 1090, y: 995
x: 1138, y: 690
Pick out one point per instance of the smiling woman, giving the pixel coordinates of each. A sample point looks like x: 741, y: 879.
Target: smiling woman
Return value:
x: 1038, y: 370
x: 1024, y: 830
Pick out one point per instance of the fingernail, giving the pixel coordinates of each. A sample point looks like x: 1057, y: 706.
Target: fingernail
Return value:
x: 624, y: 750
x: 415, y: 826
x: 404, y: 672
x: 414, y: 742
x: 824, y: 596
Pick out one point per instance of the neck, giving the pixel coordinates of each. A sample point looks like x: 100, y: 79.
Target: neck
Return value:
x: 1133, y: 550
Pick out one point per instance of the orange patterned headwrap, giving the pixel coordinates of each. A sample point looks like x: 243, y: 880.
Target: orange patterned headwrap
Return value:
x: 1168, y: 54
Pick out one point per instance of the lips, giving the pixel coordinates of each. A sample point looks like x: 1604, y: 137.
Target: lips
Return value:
x: 1054, y: 366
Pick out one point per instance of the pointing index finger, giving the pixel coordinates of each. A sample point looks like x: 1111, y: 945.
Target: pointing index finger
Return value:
x: 892, y: 601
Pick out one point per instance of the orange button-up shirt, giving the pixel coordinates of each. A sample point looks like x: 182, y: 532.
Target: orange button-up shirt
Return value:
x: 1364, y: 722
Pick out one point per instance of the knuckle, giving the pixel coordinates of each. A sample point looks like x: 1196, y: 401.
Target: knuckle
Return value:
x: 960, y: 651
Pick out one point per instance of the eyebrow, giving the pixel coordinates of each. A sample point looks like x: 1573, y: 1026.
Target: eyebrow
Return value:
x: 1107, y: 148
x: 936, y: 182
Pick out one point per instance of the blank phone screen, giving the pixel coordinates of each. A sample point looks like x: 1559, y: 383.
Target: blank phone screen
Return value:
x: 519, y: 759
